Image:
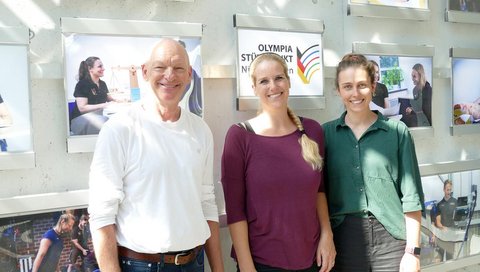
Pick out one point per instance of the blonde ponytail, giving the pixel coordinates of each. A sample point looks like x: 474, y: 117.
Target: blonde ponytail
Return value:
x: 310, y: 149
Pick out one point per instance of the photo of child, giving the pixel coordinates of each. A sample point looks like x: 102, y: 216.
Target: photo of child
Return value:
x: 466, y: 91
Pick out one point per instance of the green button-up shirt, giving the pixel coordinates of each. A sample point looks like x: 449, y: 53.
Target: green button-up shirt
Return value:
x: 377, y: 174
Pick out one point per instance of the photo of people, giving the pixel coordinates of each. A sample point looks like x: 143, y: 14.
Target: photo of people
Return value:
x: 421, y: 4
x: 103, y: 76
x: 450, y: 213
x: 404, y: 89
x: 15, y: 123
x: 466, y: 91
x: 53, y: 241
x: 464, y: 5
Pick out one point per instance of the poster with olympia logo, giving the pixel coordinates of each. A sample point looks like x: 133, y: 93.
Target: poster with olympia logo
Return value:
x: 301, y: 51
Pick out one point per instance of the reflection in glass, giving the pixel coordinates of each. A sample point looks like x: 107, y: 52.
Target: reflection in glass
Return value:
x: 451, y: 222
x: 420, y: 4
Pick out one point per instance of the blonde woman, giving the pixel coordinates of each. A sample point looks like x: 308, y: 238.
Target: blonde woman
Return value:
x: 418, y: 111
x: 273, y: 182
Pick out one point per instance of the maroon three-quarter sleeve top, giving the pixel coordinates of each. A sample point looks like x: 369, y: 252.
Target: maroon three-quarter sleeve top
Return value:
x: 267, y: 182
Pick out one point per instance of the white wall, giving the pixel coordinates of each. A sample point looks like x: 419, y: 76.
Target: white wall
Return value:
x: 58, y: 171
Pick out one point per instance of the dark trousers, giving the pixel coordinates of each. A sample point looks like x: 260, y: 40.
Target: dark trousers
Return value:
x: 363, y: 244
x: 266, y: 268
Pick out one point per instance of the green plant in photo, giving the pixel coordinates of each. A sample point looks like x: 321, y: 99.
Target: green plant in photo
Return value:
x: 393, y: 77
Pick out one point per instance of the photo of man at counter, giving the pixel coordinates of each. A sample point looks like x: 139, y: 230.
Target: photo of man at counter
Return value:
x: 450, y: 224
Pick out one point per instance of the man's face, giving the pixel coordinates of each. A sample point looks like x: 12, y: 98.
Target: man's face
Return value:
x: 447, y: 191
x: 83, y: 222
x: 168, y: 72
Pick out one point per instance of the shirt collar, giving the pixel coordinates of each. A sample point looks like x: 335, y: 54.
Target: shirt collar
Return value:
x: 381, y: 122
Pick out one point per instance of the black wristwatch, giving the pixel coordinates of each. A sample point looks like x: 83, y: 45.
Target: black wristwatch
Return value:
x: 413, y: 250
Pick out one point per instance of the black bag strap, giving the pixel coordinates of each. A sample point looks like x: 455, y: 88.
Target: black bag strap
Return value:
x: 246, y: 125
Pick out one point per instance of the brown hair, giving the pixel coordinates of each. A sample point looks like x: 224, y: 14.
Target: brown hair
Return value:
x: 85, y: 66
x: 355, y: 60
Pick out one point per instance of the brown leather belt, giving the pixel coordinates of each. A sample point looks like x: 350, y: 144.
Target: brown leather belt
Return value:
x: 177, y: 258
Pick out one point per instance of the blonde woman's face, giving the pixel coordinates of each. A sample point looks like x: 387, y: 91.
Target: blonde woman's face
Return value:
x: 271, y: 84
x: 415, y: 77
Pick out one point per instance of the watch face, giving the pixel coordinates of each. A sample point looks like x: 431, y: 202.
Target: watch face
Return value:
x: 413, y: 250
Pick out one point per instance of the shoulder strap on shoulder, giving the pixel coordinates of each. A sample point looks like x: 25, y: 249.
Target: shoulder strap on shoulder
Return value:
x: 246, y: 125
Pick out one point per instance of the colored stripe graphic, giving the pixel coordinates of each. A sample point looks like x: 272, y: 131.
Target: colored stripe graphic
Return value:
x: 308, y: 62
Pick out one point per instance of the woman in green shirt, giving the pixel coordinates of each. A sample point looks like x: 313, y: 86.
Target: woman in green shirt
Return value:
x: 373, y: 181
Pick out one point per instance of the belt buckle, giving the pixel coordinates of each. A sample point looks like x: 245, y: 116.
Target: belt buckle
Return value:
x: 179, y: 255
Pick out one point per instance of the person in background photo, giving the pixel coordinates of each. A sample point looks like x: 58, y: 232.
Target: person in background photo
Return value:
x: 380, y: 95
x: 5, y: 116
x: 445, y: 220
x: 80, y: 238
x: 418, y: 111
x: 51, y: 245
x: 152, y: 203
x: 374, y: 190
x: 273, y: 182
x: 91, y: 97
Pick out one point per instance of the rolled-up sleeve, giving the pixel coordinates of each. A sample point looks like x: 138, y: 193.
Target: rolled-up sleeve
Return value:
x: 411, y: 184
x: 106, y: 178
x: 209, y: 204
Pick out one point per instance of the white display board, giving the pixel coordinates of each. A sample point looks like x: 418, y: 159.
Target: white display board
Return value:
x: 298, y: 41
x: 16, y: 134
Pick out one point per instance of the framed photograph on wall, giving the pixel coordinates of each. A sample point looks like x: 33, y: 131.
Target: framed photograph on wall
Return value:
x: 463, y: 11
x: 16, y: 144
x: 21, y: 240
x: 465, y: 90
x: 112, y: 51
x: 24, y: 219
x: 298, y: 41
x: 450, y: 223
x: 395, y: 9
x: 407, y: 73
